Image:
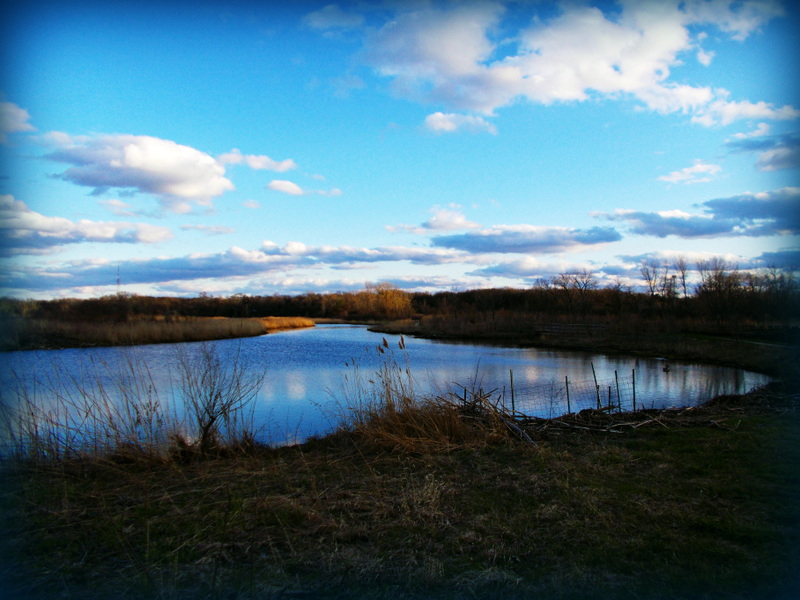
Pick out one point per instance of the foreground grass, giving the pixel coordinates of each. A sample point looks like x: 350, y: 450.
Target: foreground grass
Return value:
x: 701, y: 503
x: 29, y: 334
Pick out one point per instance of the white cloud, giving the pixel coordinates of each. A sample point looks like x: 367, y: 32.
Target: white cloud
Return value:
x: 285, y: 187
x: 697, y: 173
x: 177, y: 174
x: 740, y: 19
x: 23, y: 230
x: 454, y: 57
x: 704, y: 58
x: 251, y: 204
x: 443, y: 219
x: 448, y: 123
x: 448, y: 219
x: 760, y: 131
x: 726, y: 112
x: 258, y: 162
x: 13, y: 119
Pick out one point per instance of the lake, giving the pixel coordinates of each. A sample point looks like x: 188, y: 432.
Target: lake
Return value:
x: 305, y: 372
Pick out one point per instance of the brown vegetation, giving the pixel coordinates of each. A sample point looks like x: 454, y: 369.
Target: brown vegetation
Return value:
x: 33, y: 333
x: 674, y: 504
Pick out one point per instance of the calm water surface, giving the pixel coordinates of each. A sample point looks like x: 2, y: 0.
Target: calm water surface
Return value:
x: 305, y: 372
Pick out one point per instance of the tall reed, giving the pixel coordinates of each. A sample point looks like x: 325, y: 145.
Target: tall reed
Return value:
x: 384, y: 408
x: 113, y: 408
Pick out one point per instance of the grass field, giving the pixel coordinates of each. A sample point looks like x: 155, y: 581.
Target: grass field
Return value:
x: 430, y: 501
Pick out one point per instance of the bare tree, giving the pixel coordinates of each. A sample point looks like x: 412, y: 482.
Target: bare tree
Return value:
x: 564, y: 281
x: 584, y: 281
x: 649, y: 271
x: 217, y: 393
x: 682, y: 267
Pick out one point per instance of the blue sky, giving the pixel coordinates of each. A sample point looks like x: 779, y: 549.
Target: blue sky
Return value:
x: 227, y: 147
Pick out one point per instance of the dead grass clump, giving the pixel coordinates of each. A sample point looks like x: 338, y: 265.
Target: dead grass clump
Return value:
x: 383, y: 409
x: 281, y: 323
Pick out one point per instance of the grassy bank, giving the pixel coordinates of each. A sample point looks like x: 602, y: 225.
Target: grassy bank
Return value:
x: 778, y: 357
x: 29, y: 334
x: 429, y: 500
x: 436, y: 497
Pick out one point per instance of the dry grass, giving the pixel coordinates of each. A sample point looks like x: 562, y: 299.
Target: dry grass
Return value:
x: 115, y: 408
x: 24, y: 334
x: 427, y: 498
x: 687, y: 509
x: 634, y: 338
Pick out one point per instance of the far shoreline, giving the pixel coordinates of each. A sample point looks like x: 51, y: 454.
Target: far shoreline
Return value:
x: 775, y: 360
x: 49, y: 334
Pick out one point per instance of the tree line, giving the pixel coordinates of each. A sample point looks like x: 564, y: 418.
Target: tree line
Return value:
x: 720, y: 293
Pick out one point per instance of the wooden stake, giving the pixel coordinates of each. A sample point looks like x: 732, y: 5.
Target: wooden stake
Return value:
x: 566, y: 381
x: 513, y: 407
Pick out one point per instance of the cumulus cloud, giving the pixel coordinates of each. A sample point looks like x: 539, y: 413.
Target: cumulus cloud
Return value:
x: 664, y: 223
x: 753, y: 215
x: 525, y: 239
x: 443, y: 219
x: 525, y: 267
x: 699, y: 172
x: 726, y: 112
x: 285, y: 187
x: 776, y: 152
x: 13, y: 119
x: 760, y: 131
x: 177, y: 174
x: 24, y: 231
x: 449, y: 123
x: 337, y: 255
x: 739, y: 19
x: 766, y: 213
x: 704, y: 58
x: 466, y: 57
x: 234, y: 263
x: 258, y: 162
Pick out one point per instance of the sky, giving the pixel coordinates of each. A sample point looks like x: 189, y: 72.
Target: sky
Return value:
x: 178, y: 148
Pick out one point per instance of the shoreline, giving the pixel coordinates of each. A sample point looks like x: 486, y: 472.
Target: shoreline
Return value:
x: 31, y: 334
x: 776, y: 360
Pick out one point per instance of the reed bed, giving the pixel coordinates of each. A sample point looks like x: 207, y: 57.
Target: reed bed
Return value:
x: 115, y: 409
x: 383, y: 408
x: 24, y: 334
